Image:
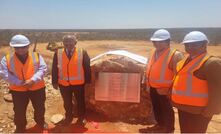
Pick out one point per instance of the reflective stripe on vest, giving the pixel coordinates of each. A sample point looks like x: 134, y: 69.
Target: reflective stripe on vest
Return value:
x: 12, y: 58
x: 70, y: 80
x: 162, y: 81
x: 184, y: 84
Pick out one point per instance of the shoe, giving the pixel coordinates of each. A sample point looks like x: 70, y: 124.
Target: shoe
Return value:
x: 44, y: 126
x: 19, y: 130
x: 144, y: 130
x: 163, y: 129
x: 170, y: 130
x: 65, y: 122
x: 160, y: 130
x: 81, y: 122
x: 152, y: 129
x: 155, y: 127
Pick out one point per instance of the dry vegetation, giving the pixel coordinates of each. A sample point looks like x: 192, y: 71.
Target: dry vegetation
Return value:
x: 55, y: 35
x: 99, y: 46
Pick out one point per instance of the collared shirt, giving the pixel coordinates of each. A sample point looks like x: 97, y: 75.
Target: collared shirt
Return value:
x: 12, y: 79
x: 69, y: 53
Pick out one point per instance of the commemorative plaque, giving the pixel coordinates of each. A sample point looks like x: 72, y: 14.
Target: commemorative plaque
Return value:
x: 123, y: 87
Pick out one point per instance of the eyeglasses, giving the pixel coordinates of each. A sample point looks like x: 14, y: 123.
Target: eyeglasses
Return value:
x: 193, y: 45
x: 21, y: 47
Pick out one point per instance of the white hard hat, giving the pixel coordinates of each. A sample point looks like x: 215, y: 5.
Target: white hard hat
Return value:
x: 160, y: 35
x: 19, y: 41
x: 195, y: 36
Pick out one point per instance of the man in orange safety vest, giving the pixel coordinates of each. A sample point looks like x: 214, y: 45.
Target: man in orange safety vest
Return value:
x: 196, y: 89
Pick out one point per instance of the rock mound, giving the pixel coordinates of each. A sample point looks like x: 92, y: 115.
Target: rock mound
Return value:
x: 119, y: 61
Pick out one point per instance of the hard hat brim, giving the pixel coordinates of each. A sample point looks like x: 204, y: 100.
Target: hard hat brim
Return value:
x: 157, y: 39
x: 19, y: 45
x: 192, y: 41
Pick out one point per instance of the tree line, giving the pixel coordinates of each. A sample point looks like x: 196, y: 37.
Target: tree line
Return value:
x: 55, y: 35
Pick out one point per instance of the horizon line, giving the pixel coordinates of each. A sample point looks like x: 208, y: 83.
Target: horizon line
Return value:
x: 101, y: 28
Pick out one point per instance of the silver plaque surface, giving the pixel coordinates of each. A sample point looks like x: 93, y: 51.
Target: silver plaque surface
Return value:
x: 123, y: 87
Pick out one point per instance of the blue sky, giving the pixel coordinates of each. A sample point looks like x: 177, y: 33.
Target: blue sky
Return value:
x: 105, y: 14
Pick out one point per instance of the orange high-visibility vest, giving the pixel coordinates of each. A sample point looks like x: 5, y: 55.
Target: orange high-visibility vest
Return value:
x: 24, y: 71
x: 187, y: 88
x: 70, y: 72
x: 158, y: 74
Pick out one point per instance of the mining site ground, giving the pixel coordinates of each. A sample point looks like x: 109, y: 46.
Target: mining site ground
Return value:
x: 96, y: 123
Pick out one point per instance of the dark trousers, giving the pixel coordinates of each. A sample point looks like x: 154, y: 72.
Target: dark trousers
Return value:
x: 67, y: 94
x: 21, y: 100
x: 163, y: 110
x: 192, y: 123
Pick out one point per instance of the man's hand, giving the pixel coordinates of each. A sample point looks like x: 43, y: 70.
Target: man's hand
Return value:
x: 28, y: 83
x: 207, y: 113
x: 55, y: 86
x: 169, y: 94
x: 145, y: 87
